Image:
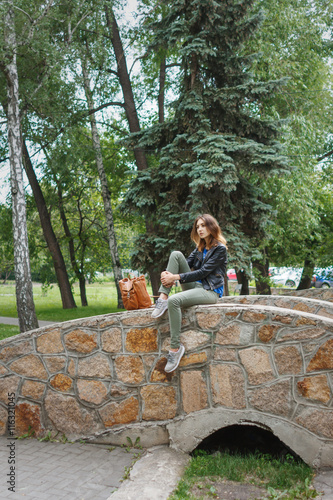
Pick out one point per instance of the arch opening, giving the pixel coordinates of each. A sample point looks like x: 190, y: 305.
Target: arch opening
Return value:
x: 247, y: 439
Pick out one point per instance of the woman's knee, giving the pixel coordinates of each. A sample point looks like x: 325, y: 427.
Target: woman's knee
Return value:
x: 176, y: 254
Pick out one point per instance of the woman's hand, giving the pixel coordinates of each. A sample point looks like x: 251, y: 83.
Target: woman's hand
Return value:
x: 168, y: 279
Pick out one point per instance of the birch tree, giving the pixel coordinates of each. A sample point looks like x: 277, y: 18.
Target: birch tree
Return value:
x: 104, y: 182
x: 24, y: 294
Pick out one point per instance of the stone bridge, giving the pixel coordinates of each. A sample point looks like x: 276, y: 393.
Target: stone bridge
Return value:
x: 264, y: 361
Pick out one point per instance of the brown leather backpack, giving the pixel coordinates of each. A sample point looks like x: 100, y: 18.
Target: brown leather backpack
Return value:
x: 134, y: 293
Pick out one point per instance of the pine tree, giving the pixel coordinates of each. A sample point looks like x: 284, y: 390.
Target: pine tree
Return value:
x: 213, y: 151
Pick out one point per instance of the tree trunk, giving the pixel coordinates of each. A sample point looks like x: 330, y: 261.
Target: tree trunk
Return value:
x: 243, y: 280
x: 307, y: 273
x: 78, y: 273
x: 106, y: 195
x: 24, y: 294
x: 226, y: 286
x: 67, y: 298
x: 125, y: 82
x: 83, y: 294
x: 132, y: 117
x: 262, y: 275
x: 161, y: 92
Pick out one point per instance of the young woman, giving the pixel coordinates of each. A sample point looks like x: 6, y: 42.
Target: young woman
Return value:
x: 201, y: 276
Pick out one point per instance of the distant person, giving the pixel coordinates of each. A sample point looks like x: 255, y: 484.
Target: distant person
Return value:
x: 201, y: 276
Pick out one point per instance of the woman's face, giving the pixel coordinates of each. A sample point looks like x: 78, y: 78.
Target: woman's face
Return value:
x: 201, y: 229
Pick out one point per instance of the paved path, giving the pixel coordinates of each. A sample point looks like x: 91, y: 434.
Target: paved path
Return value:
x: 55, y: 471
x: 14, y: 321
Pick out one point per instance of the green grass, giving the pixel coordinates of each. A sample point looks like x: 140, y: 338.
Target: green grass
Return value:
x: 288, y: 480
x: 102, y: 299
x: 8, y: 331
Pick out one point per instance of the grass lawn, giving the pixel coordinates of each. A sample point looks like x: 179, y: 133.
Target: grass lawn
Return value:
x: 8, y: 331
x: 102, y: 299
x: 207, y: 473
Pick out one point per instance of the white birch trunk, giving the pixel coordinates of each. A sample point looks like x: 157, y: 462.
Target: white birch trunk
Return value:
x: 104, y: 185
x: 24, y: 296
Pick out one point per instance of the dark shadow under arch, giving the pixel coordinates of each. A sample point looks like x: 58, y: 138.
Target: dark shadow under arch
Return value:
x: 246, y: 439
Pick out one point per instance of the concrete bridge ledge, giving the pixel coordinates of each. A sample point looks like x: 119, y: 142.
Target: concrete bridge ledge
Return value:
x: 187, y: 433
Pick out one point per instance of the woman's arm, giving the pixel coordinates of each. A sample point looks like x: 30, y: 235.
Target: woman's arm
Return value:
x: 217, y: 259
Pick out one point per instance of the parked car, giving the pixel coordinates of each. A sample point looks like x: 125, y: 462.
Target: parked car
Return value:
x: 231, y: 273
x: 291, y: 277
x: 323, y: 278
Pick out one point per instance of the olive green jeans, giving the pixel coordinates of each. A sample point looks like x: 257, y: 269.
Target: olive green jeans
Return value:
x: 193, y: 294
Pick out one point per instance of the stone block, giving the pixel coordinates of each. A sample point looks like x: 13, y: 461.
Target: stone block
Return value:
x: 8, y: 385
x: 27, y: 419
x: 54, y: 364
x: 288, y: 360
x: 137, y: 318
x: 323, y: 359
x: 118, y: 391
x: 257, y: 365
x: 50, y: 343
x: 111, y: 340
x: 141, y: 340
x: 130, y: 369
x: 69, y: 417
x: 305, y: 321
x: 236, y: 334
x: 318, y: 421
x: 193, y: 339
x: 29, y: 366
x: 61, y: 382
x: 282, y: 319
x: 224, y: 354
x: 315, y: 388
x: 95, y: 366
x: 3, y: 370
x: 13, y: 351
x: 300, y: 306
x: 326, y: 313
x: 111, y: 320
x: 92, y: 391
x: 81, y: 341
x: 3, y: 421
x: 275, y: 398
x: 208, y: 320
x: 71, y: 368
x: 193, y: 359
x: 149, y: 361
x: 231, y: 314
x: 267, y: 332
x: 194, y: 391
x: 159, y: 402
x: 158, y: 374
x: 32, y: 389
x: 125, y: 412
x: 228, y: 385
x: 309, y: 333
x: 254, y: 317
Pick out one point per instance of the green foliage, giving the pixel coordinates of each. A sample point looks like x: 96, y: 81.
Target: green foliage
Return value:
x: 215, y: 147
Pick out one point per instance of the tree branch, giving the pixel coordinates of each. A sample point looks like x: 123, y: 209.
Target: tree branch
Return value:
x: 326, y: 155
x: 105, y: 106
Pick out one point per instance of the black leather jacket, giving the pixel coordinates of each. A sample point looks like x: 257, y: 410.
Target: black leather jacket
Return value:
x: 210, y: 270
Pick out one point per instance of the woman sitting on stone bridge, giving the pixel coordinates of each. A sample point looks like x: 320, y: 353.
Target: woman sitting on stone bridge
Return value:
x: 201, y: 276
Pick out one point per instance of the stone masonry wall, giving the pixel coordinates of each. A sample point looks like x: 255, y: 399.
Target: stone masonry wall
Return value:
x: 105, y: 375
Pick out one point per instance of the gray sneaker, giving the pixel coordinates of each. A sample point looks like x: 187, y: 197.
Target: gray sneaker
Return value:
x: 174, y: 359
x: 161, y: 305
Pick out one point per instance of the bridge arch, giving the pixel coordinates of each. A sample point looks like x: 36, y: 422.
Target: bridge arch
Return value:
x: 102, y: 378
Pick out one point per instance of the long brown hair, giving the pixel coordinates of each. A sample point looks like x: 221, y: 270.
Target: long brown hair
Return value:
x: 214, y: 229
